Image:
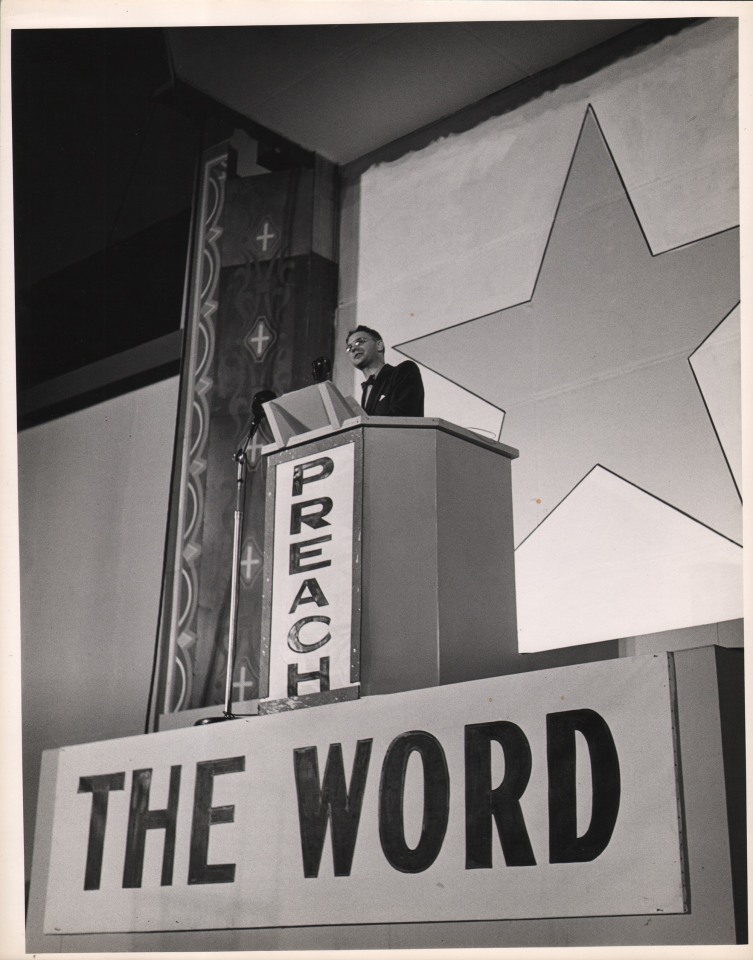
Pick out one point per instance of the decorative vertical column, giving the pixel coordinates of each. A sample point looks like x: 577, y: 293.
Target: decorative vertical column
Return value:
x: 261, y: 308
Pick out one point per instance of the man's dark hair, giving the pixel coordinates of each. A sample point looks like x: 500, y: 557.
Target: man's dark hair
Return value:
x: 361, y: 329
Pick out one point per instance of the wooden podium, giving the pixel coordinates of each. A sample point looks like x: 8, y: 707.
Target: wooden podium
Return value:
x: 388, y: 553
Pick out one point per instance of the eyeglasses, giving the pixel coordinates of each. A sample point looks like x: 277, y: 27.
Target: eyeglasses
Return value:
x: 357, y: 343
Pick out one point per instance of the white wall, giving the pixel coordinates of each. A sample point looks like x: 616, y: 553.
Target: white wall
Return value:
x: 610, y: 204
x: 93, y: 497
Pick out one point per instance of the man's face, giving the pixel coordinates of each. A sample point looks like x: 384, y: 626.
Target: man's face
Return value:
x: 363, y: 350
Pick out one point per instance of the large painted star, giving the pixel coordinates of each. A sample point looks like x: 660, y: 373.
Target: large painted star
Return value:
x: 593, y: 368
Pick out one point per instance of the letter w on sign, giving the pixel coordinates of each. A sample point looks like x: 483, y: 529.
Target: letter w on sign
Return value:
x: 330, y: 801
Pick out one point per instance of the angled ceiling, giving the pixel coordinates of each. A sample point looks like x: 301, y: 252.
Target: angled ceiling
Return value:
x: 104, y: 145
x: 344, y: 90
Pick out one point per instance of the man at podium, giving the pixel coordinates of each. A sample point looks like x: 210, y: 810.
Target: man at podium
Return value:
x: 387, y: 391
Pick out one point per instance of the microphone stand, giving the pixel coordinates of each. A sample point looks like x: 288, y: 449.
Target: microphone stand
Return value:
x: 240, y: 483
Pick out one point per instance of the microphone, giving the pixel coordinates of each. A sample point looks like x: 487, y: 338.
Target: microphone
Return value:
x: 257, y: 405
x: 258, y: 414
x: 321, y: 368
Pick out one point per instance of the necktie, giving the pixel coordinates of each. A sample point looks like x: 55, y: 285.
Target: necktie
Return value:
x: 366, y: 388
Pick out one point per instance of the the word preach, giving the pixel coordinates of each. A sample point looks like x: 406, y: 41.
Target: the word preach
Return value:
x: 312, y: 579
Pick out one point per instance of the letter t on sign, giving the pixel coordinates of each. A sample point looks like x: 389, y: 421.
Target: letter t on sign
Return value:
x: 100, y: 787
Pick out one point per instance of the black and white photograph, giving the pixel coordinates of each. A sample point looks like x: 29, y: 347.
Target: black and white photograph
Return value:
x: 377, y: 420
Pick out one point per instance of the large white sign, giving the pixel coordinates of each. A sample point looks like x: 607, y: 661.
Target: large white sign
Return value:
x: 310, y: 642
x: 549, y: 794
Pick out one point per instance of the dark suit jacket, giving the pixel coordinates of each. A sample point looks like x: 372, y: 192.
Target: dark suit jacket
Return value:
x: 397, y: 392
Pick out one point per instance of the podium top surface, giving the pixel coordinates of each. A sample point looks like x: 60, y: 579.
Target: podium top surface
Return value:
x: 396, y: 423
x: 320, y: 410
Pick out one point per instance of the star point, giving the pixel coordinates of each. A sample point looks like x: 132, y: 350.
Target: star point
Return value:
x: 593, y: 368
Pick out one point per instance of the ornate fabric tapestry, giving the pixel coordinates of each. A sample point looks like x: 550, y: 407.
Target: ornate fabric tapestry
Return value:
x: 261, y: 308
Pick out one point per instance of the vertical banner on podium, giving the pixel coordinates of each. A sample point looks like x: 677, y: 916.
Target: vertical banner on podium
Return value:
x: 310, y: 643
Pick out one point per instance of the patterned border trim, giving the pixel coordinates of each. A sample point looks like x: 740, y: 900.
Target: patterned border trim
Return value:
x: 195, y: 433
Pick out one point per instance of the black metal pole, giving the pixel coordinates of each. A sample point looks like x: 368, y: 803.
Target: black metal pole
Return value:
x: 232, y: 632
